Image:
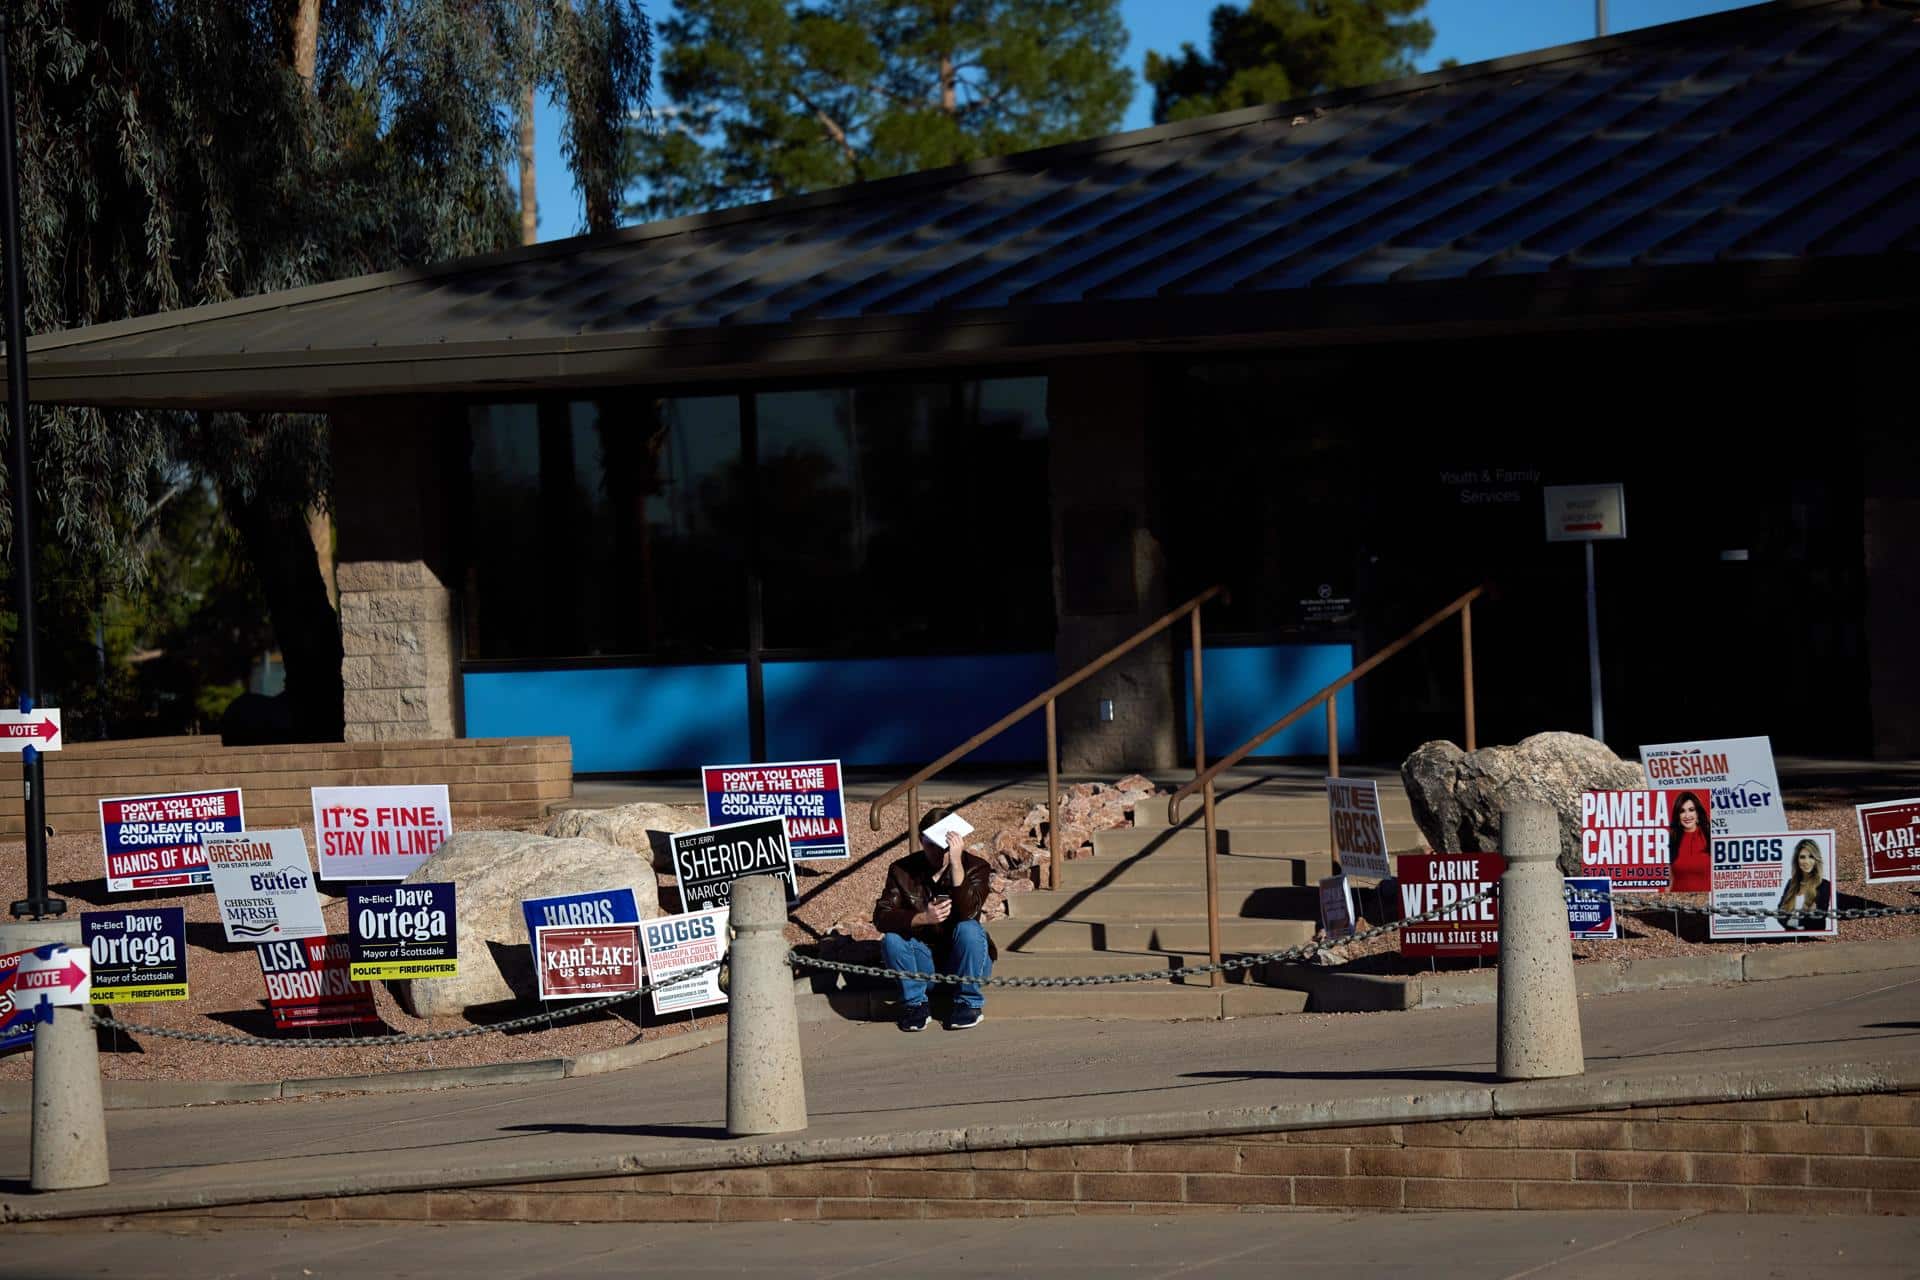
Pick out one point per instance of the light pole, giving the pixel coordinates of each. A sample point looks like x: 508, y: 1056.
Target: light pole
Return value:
x: 38, y: 903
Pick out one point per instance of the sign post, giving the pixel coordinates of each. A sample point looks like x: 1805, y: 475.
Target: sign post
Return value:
x: 1588, y: 513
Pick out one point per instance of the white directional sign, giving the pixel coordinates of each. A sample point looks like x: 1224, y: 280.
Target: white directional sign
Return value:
x: 62, y: 974
x: 31, y: 729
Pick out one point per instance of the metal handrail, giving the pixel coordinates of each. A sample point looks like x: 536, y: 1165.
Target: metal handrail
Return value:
x: 1204, y: 778
x: 911, y: 787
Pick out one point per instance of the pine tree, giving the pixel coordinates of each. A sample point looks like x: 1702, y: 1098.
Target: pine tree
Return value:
x: 1276, y: 50
x: 769, y: 98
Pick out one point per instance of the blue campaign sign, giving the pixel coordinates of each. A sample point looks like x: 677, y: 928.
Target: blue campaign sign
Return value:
x: 608, y: 906
x: 138, y: 955
x: 807, y: 793
x: 1591, y: 917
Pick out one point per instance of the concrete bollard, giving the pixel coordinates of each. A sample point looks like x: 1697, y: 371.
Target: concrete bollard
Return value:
x: 69, y: 1121
x: 1539, y: 1009
x: 766, y: 1089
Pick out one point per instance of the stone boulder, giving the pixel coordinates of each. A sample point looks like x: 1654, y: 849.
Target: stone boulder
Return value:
x: 1456, y: 795
x: 491, y: 871
x: 643, y: 828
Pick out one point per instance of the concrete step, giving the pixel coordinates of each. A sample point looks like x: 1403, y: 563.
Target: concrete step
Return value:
x: 1081, y: 936
x: 1126, y: 841
x: 1146, y: 1001
x: 1053, y: 964
x: 1265, y: 810
x: 1160, y: 902
x: 1239, y: 871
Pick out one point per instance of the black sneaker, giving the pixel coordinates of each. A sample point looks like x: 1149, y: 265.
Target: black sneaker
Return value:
x: 913, y: 1018
x: 965, y: 1019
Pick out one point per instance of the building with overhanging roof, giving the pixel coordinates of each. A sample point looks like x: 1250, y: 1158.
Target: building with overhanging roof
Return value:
x: 852, y: 473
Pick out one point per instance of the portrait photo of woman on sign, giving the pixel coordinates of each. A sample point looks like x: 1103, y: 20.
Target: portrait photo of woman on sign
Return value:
x: 1808, y: 889
x: 1687, y: 843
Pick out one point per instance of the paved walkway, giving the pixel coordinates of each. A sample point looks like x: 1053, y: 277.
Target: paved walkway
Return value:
x: 872, y: 1090
x: 1590, y: 1246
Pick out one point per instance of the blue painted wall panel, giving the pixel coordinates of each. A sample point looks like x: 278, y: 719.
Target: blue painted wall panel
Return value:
x: 893, y: 710
x: 1249, y: 688
x: 621, y: 719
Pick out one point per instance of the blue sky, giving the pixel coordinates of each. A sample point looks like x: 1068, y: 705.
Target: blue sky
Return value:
x: 1468, y: 30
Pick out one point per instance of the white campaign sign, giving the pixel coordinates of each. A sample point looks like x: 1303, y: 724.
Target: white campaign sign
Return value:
x: 1783, y: 871
x: 1359, y: 836
x: 675, y: 944
x: 378, y: 833
x: 1737, y: 773
x: 1336, y: 907
x: 264, y: 884
x: 39, y: 729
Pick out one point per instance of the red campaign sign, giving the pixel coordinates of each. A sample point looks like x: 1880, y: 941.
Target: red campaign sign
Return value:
x: 1648, y: 840
x: 1431, y: 882
x: 577, y: 962
x: 1890, y: 840
x: 308, y: 984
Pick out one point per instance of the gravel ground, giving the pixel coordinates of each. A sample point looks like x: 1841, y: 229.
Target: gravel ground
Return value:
x: 228, y: 994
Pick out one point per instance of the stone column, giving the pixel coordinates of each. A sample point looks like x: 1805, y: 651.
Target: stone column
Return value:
x: 396, y: 634
x: 766, y: 1088
x: 69, y: 1125
x: 1539, y: 1009
x: 1109, y: 570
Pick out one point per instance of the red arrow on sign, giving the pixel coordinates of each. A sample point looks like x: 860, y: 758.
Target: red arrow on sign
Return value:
x: 46, y: 730
x: 67, y: 979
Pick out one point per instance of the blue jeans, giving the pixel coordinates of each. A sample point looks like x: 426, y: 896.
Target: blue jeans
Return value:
x: 969, y: 957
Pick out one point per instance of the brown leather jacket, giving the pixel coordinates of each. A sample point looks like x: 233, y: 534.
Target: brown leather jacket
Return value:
x: 910, y: 887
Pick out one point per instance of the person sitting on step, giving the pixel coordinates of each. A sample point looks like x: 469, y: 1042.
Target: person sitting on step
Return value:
x: 930, y: 909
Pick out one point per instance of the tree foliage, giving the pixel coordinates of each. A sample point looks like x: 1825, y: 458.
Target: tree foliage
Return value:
x: 171, y: 155
x: 769, y: 98
x: 1276, y: 50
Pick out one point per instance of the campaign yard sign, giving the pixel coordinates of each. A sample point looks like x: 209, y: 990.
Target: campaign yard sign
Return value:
x: 402, y: 931
x: 1646, y: 841
x: 1359, y: 836
x: 309, y: 985
x: 1737, y: 774
x: 264, y: 884
x: 1592, y: 917
x: 139, y: 956
x: 378, y: 833
x: 709, y: 860
x: 606, y: 906
x: 807, y: 793
x: 1785, y: 871
x: 677, y: 944
x: 18, y: 1014
x: 1434, y: 881
x: 579, y: 962
x: 153, y: 842
x: 1890, y: 840
x: 1336, y: 907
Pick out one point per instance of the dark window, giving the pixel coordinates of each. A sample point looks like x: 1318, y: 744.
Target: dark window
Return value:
x: 609, y: 526
x: 906, y: 517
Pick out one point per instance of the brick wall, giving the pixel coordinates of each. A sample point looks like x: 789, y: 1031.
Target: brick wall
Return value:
x: 488, y: 779
x: 1856, y: 1154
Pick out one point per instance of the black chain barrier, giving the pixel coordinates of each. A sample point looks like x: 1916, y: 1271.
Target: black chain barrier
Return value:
x: 1304, y: 951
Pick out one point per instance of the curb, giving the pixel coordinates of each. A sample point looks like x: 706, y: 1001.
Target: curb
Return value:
x: 135, y: 1095
x: 1575, y: 1094
x: 1335, y: 990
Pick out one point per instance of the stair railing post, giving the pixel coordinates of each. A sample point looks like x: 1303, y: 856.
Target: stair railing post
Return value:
x: 1466, y: 666
x: 913, y: 820
x: 1053, y: 796
x: 1217, y: 978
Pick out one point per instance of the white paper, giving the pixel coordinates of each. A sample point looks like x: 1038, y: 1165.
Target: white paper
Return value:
x: 952, y: 824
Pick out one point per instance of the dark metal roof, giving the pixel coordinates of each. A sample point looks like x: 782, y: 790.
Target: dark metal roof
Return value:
x: 1769, y: 152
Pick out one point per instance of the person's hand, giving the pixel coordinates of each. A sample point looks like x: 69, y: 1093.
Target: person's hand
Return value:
x: 936, y: 913
x: 956, y: 846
